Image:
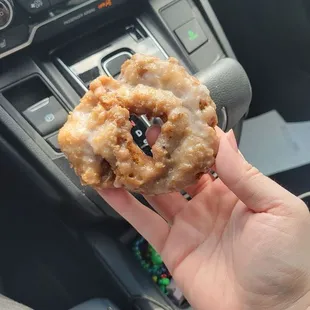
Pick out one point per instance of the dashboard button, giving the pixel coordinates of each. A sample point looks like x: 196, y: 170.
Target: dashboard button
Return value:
x: 34, y: 6
x: 46, y: 116
x: 53, y: 142
x: 177, y: 14
x: 6, y: 13
x: 191, y: 35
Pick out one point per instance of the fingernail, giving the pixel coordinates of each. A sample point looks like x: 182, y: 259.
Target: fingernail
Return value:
x: 232, y: 140
x: 241, y: 154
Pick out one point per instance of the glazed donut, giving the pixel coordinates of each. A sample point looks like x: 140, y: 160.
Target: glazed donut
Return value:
x: 97, y: 136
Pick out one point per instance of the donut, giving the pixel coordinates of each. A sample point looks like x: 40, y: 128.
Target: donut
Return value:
x: 97, y: 138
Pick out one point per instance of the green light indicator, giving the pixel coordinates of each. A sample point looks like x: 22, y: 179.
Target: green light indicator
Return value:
x: 192, y: 35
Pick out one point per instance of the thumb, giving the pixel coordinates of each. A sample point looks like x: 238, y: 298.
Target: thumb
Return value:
x: 258, y: 192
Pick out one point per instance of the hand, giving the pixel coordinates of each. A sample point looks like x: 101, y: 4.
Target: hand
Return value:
x: 240, y: 243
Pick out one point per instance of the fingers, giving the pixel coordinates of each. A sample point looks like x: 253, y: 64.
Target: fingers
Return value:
x: 149, y: 224
x: 219, y: 132
x: 256, y: 191
x: 152, y: 134
x: 206, y: 179
x: 168, y: 205
x: 197, y: 188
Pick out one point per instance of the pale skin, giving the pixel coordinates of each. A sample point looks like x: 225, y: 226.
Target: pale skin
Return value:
x: 242, y: 242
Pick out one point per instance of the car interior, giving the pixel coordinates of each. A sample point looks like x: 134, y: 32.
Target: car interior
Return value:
x: 62, y: 246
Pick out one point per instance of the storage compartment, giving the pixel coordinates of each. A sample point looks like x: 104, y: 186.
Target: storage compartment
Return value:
x: 155, y: 268
x: 118, y: 257
x: 26, y: 93
x: 37, y: 104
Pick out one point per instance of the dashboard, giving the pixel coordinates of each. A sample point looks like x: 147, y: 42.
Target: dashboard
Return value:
x: 50, y: 50
x: 23, y: 22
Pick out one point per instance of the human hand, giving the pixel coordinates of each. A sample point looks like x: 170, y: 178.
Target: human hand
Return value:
x: 240, y: 243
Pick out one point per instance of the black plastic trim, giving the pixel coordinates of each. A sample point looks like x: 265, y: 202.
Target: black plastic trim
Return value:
x: 230, y: 87
x: 44, y: 163
x: 44, y: 156
x: 215, y: 25
x: 132, y: 279
x: 197, y: 60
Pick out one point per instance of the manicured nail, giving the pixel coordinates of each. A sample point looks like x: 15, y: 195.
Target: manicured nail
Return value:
x: 241, y: 154
x: 232, y: 139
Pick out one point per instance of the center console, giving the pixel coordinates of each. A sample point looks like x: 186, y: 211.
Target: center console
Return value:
x: 50, y: 50
x: 24, y: 22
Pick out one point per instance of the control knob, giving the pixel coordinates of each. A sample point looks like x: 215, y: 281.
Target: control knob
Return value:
x: 6, y: 13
